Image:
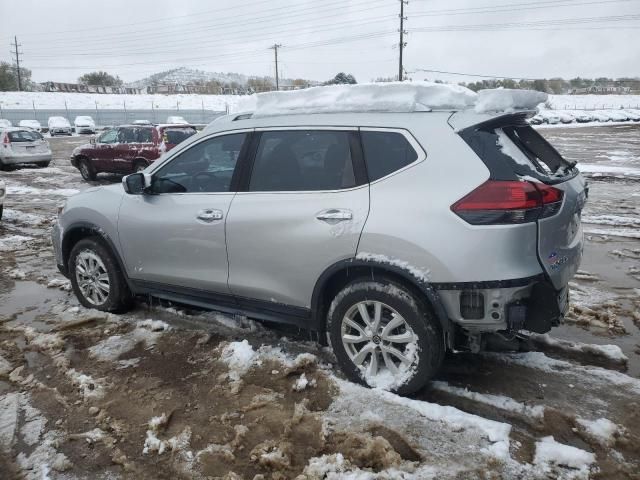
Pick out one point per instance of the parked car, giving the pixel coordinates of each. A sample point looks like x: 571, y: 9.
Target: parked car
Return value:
x: 59, y: 126
x: 582, y: 117
x: 128, y: 148
x: 550, y: 117
x: 32, y: 124
x: 633, y: 115
x: 600, y: 116
x: 21, y: 145
x: 4, y: 123
x: 3, y: 193
x: 396, y: 236
x: 84, y: 124
x: 177, y: 120
x: 565, y: 117
x: 617, y: 115
x: 536, y: 120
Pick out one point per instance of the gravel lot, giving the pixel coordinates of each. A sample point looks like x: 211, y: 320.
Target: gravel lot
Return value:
x: 165, y: 392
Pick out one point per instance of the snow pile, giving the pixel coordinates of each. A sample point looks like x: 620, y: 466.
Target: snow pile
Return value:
x: 88, y: 387
x: 176, y: 443
x: 602, y: 429
x: 610, y: 352
x: 302, y: 382
x: 550, y: 452
x: 499, y: 401
x: 239, y: 357
x: 508, y: 100
x: 372, y: 97
x: 13, y: 242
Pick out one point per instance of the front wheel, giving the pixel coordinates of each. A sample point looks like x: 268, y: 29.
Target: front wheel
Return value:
x: 43, y: 164
x: 86, y: 170
x: 384, y: 337
x: 96, y: 277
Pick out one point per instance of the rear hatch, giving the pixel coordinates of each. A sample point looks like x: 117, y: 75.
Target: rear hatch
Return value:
x: 26, y: 142
x: 554, y: 192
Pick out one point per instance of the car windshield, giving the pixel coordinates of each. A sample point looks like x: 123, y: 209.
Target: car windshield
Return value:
x: 24, y: 136
x: 174, y: 136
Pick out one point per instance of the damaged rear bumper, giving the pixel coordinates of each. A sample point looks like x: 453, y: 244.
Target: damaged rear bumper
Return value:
x: 530, y: 303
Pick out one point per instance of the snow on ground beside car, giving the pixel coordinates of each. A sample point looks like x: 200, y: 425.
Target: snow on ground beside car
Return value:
x: 610, y: 352
x: 548, y: 451
x: 25, y: 190
x: 593, y: 102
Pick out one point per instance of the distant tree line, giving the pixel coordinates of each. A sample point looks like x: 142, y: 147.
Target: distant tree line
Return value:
x: 9, y: 78
x: 554, y: 85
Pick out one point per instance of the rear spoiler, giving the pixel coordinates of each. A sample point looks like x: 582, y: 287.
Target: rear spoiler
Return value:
x: 463, y: 120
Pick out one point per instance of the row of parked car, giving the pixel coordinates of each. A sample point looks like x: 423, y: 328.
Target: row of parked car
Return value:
x: 553, y: 117
x: 82, y: 124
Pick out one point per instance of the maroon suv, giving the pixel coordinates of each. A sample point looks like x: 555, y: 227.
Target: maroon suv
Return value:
x: 128, y: 148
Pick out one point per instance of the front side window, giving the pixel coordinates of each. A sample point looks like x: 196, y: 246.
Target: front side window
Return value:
x: 127, y: 135
x: 386, y: 152
x: 110, y: 136
x: 302, y: 160
x: 144, y: 135
x: 205, y: 167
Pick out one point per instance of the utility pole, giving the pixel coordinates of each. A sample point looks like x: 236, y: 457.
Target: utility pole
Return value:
x: 402, y: 43
x: 17, y: 54
x: 275, y: 50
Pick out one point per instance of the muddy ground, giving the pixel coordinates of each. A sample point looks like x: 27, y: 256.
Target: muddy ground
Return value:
x: 165, y: 392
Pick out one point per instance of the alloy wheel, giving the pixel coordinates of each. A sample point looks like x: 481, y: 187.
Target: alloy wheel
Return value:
x: 92, y: 277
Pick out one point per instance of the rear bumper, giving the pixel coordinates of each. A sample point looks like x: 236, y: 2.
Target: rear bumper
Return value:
x: 531, y: 303
x: 17, y: 159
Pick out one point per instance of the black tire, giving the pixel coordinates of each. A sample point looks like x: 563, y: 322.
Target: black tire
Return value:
x: 86, y: 170
x: 1, y: 209
x: 119, y: 298
x: 43, y: 164
x: 430, y: 345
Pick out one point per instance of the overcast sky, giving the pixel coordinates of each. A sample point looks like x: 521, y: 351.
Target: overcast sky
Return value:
x: 134, y: 38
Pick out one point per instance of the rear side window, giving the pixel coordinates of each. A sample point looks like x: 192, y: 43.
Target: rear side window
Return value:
x: 386, y: 152
x: 531, y: 147
x: 303, y: 160
x: 173, y: 136
x: 24, y: 136
x: 144, y: 135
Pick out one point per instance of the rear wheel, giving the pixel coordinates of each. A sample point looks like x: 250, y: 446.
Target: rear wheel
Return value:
x: 96, y: 277
x: 86, y: 170
x: 384, y: 337
x: 1, y: 208
x: 43, y: 164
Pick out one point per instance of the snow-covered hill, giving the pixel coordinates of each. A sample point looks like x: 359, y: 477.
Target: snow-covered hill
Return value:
x: 186, y: 76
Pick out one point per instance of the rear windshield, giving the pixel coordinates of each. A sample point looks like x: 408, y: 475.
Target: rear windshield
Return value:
x: 519, y: 150
x: 173, y: 136
x: 24, y: 136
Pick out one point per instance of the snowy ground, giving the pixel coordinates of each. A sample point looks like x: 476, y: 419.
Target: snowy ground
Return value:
x: 167, y: 393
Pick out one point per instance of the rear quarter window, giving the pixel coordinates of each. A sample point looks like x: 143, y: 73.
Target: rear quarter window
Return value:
x: 174, y: 136
x: 386, y: 152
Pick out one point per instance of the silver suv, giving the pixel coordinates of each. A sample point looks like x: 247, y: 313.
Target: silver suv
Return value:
x: 398, y: 235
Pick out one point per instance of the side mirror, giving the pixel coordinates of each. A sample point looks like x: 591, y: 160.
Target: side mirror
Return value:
x: 135, y: 183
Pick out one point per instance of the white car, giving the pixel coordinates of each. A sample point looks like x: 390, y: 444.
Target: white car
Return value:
x: 565, y: 117
x: 59, y: 126
x: 141, y: 122
x: 599, y: 116
x: 4, y: 123
x: 176, y: 120
x: 633, y: 115
x: 3, y: 192
x: 550, y: 117
x: 582, y: 117
x: 617, y: 115
x: 32, y: 124
x: 84, y: 124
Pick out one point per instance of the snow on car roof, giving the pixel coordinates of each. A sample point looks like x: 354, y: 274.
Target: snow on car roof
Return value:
x: 389, y: 97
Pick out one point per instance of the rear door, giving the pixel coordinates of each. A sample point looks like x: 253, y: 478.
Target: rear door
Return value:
x: 305, y: 204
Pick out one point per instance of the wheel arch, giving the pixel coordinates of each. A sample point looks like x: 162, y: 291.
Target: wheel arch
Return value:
x: 81, y: 230
x: 334, y: 278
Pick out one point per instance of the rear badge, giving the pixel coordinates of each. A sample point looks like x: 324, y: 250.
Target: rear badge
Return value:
x: 555, y: 261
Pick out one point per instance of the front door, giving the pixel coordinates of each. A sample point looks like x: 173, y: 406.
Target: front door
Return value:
x: 305, y: 208
x: 175, y: 233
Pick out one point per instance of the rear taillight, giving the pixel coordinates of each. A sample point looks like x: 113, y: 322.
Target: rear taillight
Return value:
x: 5, y: 139
x: 507, y: 202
